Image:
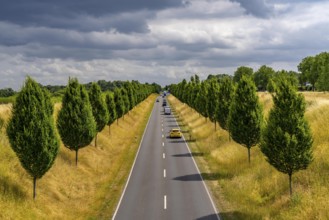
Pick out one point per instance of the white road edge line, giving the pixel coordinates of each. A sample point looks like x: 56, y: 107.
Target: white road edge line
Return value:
x: 140, y: 144
x: 197, y: 168
x: 165, y: 202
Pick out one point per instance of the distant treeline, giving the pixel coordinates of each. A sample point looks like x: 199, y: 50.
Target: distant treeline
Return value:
x: 58, y: 90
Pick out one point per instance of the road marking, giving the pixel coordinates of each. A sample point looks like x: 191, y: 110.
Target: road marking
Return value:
x: 162, y: 136
x: 163, y: 155
x: 165, y: 202
x: 164, y: 173
x: 162, y: 129
x: 162, y: 144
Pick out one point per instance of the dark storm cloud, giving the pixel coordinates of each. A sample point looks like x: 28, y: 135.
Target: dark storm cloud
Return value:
x: 67, y: 14
x: 258, y: 8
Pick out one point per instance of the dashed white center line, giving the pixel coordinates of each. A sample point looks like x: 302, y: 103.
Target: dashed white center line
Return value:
x: 162, y: 144
x: 164, y: 173
x: 163, y: 155
x: 165, y: 202
x: 162, y: 136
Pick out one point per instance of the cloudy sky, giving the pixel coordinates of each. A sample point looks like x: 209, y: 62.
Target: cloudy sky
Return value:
x: 160, y: 41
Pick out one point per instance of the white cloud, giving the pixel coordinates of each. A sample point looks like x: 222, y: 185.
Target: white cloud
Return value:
x: 204, y: 37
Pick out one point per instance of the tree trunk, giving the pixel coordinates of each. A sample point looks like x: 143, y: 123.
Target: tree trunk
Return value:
x: 117, y: 121
x: 76, y: 157
x: 109, y: 129
x: 249, y: 155
x: 34, y: 187
x: 290, y: 184
x: 215, y: 126
x: 96, y: 139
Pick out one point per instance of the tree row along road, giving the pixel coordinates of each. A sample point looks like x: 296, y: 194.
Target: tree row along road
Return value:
x: 165, y: 182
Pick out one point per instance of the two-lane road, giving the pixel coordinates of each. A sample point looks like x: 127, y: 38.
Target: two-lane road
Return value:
x: 164, y: 182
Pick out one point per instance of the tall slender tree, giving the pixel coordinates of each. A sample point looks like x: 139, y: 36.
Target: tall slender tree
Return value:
x: 246, y: 115
x: 124, y: 95
x: 225, y: 97
x: 99, y: 108
x: 31, y: 131
x: 212, y: 99
x: 119, y: 104
x: 287, y: 140
x: 111, y: 110
x: 131, y: 95
x: 76, y: 124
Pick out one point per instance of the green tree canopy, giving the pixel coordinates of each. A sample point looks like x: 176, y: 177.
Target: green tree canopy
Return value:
x: 124, y: 95
x: 212, y: 97
x: 287, y: 139
x: 322, y: 61
x: 76, y: 124
x: 262, y: 77
x: 99, y: 108
x: 246, y: 115
x: 201, y: 100
x: 225, y: 97
x: 31, y: 130
x: 242, y: 70
x: 119, y: 103
x: 111, y: 109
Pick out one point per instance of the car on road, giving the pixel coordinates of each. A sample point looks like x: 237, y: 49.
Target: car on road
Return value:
x: 175, y: 133
x: 167, y: 111
x: 157, y: 100
x: 164, y: 103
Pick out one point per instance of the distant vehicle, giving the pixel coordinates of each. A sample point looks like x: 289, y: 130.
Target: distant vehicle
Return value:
x: 167, y: 111
x: 164, y: 103
x: 175, y: 133
x: 157, y: 100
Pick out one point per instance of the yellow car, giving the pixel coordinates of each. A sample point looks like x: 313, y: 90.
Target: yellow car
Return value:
x: 175, y: 133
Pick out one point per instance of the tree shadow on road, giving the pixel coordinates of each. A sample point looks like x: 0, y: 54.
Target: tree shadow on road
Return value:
x: 193, y: 154
x: 235, y: 215
x: 197, y: 177
x: 209, y: 217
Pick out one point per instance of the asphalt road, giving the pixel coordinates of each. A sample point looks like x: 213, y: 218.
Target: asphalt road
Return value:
x: 164, y: 182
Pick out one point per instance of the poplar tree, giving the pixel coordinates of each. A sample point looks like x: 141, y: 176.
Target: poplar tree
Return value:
x: 76, y: 124
x: 131, y: 95
x: 246, y: 117
x: 201, y: 100
x: 119, y: 104
x: 99, y: 108
x: 126, y: 102
x: 31, y: 131
x: 111, y: 110
x: 287, y: 140
x: 225, y: 97
x: 212, y: 100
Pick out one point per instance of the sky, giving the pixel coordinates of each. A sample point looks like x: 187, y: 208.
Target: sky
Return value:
x: 161, y: 41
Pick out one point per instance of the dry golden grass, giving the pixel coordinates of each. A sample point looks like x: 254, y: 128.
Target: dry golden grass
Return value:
x: 89, y: 191
x: 258, y: 191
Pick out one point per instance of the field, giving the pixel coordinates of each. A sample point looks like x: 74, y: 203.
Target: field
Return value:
x: 89, y: 191
x: 258, y: 191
